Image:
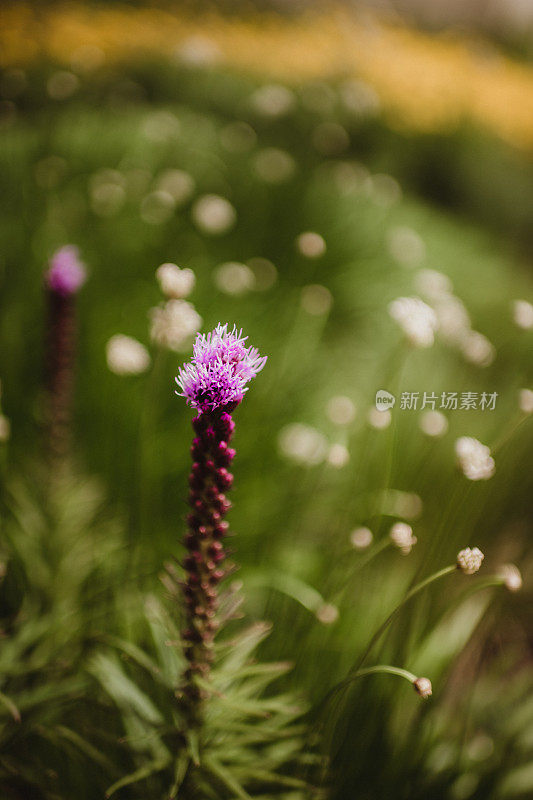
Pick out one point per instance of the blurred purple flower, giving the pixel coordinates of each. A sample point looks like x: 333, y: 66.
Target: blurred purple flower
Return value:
x: 220, y: 369
x: 66, y: 273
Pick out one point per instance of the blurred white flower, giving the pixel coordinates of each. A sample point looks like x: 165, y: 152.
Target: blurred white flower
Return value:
x: 327, y: 614
x: 173, y: 324
x: 316, y: 299
x: 234, y: 278
x: 126, y: 356
x: 338, y: 455
x: 157, y: 207
x: 340, y: 410
x: 175, y: 282
x: 511, y: 576
x: 433, y: 423
x: 178, y: 183
x: 525, y: 401
x: 433, y: 285
x: 361, y: 538
x: 265, y: 273
x: 417, y: 320
x: 5, y: 428
x: 469, y: 560
x: 523, y: 314
x: 406, y: 246
x: 199, y: 51
x: 474, y: 459
x: 311, y: 244
x: 379, y: 419
x: 274, y: 165
x: 453, y: 319
x: 272, y: 100
x: 213, y: 214
x: 402, y: 537
x: 477, y: 349
x: 302, y: 444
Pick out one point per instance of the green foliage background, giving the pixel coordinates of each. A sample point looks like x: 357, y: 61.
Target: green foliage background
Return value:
x: 469, y: 199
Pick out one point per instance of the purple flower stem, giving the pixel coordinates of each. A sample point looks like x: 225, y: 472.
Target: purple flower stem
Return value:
x: 60, y: 363
x: 209, y: 480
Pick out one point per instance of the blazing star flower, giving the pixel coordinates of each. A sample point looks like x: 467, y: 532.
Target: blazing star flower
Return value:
x: 213, y: 382
x: 220, y: 369
x: 67, y: 273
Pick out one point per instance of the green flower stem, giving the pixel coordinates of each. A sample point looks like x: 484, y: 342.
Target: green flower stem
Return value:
x: 410, y: 594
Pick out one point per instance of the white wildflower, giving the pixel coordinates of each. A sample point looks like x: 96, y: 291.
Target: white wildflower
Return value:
x: 423, y: 687
x: 417, y: 320
x: 177, y: 183
x: 340, y: 410
x: 327, y: 614
x: 175, y: 282
x: 361, y: 538
x: 525, y: 401
x: 126, y: 356
x: 433, y: 423
x: 302, y: 444
x: 379, y: 419
x: 469, y: 560
x: 402, y: 537
x: 338, y: 455
x: 213, y: 214
x: 523, y: 314
x: 433, y: 285
x: 453, y: 319
x: 477, y: 349
x: 311, y: 244
x: 474, y: 459
x: 511, y: 577
x: 173, y: 324
x: 234, y: 278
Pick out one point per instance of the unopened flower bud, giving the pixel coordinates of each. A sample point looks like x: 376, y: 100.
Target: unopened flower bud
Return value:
x: 469, y: 560
x: 423, y: 687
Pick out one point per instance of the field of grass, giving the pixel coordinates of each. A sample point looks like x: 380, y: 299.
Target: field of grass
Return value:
x: 119, y: 162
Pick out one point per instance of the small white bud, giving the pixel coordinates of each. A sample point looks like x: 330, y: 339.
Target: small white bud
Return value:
x: 423, y: 687
x: 469, y: 560
x: 401, y: 535
x: 511, y: 577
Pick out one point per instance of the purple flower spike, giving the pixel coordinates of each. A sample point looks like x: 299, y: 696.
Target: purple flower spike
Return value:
x: 67, y: 273
x: 213, y: 382
x: 220, y: 369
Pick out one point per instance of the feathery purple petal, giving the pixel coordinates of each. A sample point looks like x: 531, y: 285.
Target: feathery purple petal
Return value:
x: 220, y: 368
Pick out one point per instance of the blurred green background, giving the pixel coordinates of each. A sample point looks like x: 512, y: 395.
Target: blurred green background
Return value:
x: 112, y: 151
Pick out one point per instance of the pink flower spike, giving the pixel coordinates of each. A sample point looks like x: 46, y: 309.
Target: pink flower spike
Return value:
x: 66, y: 273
